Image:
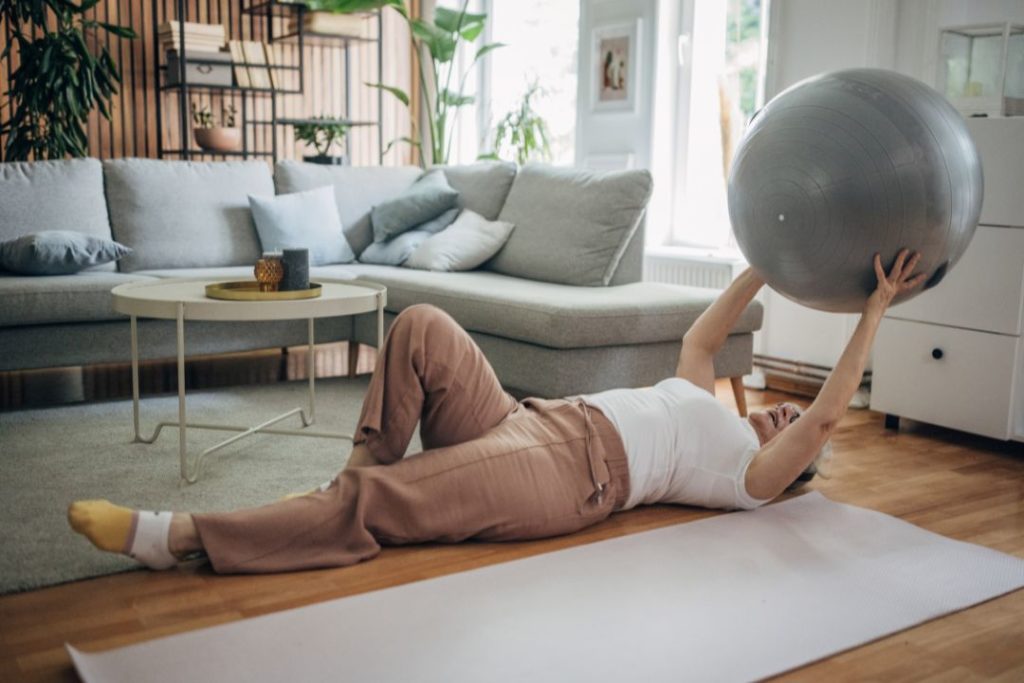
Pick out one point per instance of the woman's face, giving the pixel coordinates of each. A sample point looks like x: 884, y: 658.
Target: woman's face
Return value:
x: 769, y: 423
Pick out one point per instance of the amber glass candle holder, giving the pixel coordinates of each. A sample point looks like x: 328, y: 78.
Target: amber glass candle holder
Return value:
x: 269, y: 272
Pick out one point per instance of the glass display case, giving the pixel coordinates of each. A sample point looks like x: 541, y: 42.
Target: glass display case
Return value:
x: 981, y: 68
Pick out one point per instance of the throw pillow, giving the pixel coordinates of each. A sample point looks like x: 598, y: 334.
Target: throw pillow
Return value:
x: 396, y: 250
x: 58, y: 252
x: 426, y: 199
x: 469, y: 242
x: 302, y: 220
x: 573, y: 225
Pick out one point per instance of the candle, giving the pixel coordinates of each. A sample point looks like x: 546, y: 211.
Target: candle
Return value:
x: 296, y: 269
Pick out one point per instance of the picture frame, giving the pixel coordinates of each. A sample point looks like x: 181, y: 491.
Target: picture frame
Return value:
x: 615, y: 72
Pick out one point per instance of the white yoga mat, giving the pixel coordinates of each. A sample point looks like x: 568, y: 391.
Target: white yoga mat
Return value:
x: 735, y: 597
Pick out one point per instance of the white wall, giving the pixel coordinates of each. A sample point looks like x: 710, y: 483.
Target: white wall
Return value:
x: 612, y: 132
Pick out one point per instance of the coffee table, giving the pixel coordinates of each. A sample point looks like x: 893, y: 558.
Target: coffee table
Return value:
x: 185, y: 299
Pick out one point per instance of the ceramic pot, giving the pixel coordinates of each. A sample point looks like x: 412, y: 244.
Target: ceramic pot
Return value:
x: 327, y: 160
x: 219, y: 139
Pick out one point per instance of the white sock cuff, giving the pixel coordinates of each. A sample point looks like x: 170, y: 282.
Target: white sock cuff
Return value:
x: 149, y: 543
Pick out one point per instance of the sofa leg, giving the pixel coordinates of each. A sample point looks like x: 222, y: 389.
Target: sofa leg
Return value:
x: 740, y: 393
x: 353, y: 358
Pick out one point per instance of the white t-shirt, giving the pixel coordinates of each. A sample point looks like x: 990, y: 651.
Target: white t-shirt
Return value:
x: 682, y: 444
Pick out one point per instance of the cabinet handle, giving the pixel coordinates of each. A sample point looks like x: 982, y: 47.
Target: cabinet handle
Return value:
x: 937, y: 354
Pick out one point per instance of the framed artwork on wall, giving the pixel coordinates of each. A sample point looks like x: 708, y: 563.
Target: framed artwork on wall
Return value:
x: 615, y: 66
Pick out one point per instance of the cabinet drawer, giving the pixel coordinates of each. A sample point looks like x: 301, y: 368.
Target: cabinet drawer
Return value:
x: 969, y: 387
x: 985, y: 291
x: 1000, y: 143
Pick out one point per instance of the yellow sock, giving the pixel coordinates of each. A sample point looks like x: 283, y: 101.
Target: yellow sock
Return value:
x: 105, y: 524
x: 298, y: 495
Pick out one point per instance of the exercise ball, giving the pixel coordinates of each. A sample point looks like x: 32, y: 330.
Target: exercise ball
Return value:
x: 846, y: 164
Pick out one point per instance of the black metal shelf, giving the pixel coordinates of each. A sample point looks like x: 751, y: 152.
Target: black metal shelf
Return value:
x: 207, y: 86
x: 270, y: 12
x: 208, y: 153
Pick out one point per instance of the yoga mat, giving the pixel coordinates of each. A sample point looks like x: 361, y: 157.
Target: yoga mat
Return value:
x: 731, y: 598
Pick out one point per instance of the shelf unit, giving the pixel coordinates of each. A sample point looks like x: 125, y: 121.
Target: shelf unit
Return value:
x: 269, y: 12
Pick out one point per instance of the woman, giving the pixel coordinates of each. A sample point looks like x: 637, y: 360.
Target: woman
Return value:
x: 497, y: 469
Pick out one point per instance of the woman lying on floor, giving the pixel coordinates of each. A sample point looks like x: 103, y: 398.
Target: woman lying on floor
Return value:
x: 496, y: 469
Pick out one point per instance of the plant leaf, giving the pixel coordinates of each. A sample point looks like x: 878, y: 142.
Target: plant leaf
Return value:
x: 119, y: 31
x: 453, y: 20
x: 472, y: 32
x: 440, y: 44
x: 402, y: 96
x: 454, y: 99
x: 484, y: 49
x: 352, y: 6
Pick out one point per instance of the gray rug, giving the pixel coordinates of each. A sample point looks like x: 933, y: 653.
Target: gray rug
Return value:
x: 53, y: 456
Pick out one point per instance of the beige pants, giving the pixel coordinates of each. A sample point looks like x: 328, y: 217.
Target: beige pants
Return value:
x: 493, y: 469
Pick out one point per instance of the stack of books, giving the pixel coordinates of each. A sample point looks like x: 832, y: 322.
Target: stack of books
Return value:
x: 198, y: 37
x: 330, y: 24
x: 255, y: 64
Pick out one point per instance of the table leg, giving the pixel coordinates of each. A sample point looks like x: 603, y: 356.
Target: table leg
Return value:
x: 309, y: 419
x: 182, y: 439
x: 135, y: 377
x: 380, y: 323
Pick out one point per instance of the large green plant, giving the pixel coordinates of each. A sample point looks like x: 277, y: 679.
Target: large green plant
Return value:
x: 59, y: 80
x: 522, y: 133
x: 436, y: 43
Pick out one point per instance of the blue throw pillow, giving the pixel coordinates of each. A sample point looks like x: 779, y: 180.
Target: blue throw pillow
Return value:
x: 58, y: 252
x: 302, y: 220
x: 426, y: 199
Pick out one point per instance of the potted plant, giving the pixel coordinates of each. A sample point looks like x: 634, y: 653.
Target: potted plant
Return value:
x: 322, y: 133
x: 442, y: 83
x: 522, y: 133
x: 213, y: 138
x: 59, y: 70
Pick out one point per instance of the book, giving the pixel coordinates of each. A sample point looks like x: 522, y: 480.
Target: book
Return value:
x: 256, y: 61
x: 192, y: 29
x: 277, y: 80
x: 327, y: 23
x: 238, y: 58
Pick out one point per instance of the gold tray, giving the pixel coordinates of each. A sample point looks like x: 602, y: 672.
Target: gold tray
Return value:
x: 250, y: 291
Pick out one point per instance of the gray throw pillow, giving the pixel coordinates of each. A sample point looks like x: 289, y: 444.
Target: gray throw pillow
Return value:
x: 396, y: 250
x: 572, y: 225
x: 58, y: 252
x: 470, y: 241
x: 302, y: 220
x: 428, y: 198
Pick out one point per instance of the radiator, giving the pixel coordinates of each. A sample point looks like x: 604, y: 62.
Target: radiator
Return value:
x: 692, y: 271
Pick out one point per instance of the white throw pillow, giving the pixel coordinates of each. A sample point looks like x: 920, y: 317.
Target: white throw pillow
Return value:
x: 464, y: 245
x: 302, y: 220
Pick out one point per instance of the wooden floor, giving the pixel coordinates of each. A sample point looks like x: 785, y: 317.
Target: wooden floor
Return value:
x: 963, y: 487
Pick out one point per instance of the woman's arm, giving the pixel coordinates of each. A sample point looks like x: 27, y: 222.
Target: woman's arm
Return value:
x: 707, y: 335
x: 783, y: 458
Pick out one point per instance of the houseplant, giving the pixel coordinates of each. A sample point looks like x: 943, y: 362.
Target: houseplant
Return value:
x: 211, y: 137
x: 59, y: 79
x: 436, y: 42
x: 522, y: 134
x: 322, y: 133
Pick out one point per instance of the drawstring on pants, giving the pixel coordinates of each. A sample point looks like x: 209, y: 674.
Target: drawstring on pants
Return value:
x: 588, y: 427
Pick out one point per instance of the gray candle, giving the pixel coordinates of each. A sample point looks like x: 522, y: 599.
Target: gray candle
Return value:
x: 296, y: 269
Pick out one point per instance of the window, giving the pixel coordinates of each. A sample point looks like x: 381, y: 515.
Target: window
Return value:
x: 540, y: 38
x: 722, y: 56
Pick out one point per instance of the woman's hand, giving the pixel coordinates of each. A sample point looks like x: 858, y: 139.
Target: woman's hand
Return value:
x: 900, y: 279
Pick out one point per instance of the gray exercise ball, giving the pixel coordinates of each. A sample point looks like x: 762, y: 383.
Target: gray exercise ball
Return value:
x: 846, y: 164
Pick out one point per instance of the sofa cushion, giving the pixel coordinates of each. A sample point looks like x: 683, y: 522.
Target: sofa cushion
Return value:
x: 572, y: 225
x: 40, y: 299
x: 302, y: 220
x: 53, y: 195
x: 425, y: 200
x: 483, y: 186
x: 357, y: 189
x: 557, y: 316
x: 185, y: 214
x: 57, y: 252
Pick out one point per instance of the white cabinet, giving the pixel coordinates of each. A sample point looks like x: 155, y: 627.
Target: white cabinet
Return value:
x: 954, y: 356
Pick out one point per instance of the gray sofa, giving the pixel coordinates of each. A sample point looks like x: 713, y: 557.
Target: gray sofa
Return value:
x: 185, y: 219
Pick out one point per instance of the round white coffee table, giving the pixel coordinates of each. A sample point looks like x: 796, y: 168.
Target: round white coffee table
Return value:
x: 185, y: 299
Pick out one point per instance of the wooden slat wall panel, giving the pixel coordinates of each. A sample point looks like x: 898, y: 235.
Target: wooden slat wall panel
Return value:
x: 132, y: 130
